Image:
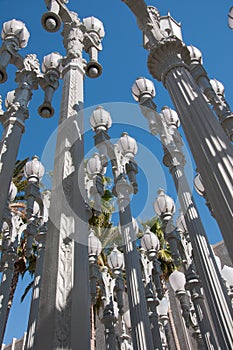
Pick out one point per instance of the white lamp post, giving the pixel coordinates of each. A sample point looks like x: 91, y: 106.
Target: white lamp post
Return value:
x: 67, y: 294
x: 202, y: 251
x: 121, y: 156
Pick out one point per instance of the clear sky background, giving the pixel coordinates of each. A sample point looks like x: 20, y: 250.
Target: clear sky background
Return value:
x: 204, y: 25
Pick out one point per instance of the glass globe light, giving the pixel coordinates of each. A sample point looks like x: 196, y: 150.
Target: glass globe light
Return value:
x: 177, y: 280
x: 195, y: 54
x: 217, y: 86
x: 12, y: 191
x: 150, y: 241
x: 9, y: 98
x: 34, y: 169
x: 94, y: 244
x: 16, y: 30
x: 51, y: 61
x: 198, y: 184
x: 171, y: 116
x: 164, y: 206
x: 127, y: 145
x: 94, y: 25
x: 115, y: 259
x: 230, y: 18
x: 142, y: 87
x: 227, y: 274
x: 94, y: 165
x: 100, y: 119
x: 162, y: 308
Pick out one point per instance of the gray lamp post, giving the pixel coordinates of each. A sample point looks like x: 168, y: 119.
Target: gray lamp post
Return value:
x: 211, y: 89
x: 169, y: 61
x: 202, y: 251
x: 8, y: 258
x: 178, y: 282
x: 40, y: 238
x: 121, y: 156
x: 164, y: 207
x: 152, y: 272
x: 63, y: 317
x: 33, y: 171
x: 28, y: 76
x: 162, y: 309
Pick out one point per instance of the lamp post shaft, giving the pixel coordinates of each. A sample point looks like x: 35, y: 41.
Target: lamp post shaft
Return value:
x: 5, y: 288
x: 34, y: 308
x: 216, y: 296
x: 65, y: 302
x: 140, y: 326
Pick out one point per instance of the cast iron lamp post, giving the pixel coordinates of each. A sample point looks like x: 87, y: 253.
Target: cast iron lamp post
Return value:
x: 28, y: 77
x: 162, y: 309
x: 169, y: 62
x: 213, y: 91
x: 153, y: 288
x: 178, y: 282
x: 165, y: 125
x: 123, y: 164
x: 63, y: 317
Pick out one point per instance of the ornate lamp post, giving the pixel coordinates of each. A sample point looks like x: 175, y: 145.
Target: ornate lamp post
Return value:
x: 15, y: 36
x: 8, y: 258
x: 178, y: 282
x: 121, y: 156
x: 169, y: 62
x: 165, y: 125
x: 162, y: 310
x: 164, y: 207
x: 63, y: 317
x: 213, y: 90
x: 152, y: 272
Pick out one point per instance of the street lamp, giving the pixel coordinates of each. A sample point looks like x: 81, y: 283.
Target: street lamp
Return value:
x: 33, y: 171
x: 162, y: 309
x: 67, y: 295
x: 152, y: 272
x: 202, y: 251
x: 165, y: 208
x: 169, y: 62
x: 210, y: 90
x: 124, y: 169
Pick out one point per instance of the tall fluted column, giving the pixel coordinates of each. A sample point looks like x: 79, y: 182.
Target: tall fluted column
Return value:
x: 140, y: 326
x: 13, y: 123
x: 64, y: 310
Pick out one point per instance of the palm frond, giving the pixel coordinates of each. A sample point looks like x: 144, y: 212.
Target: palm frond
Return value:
x: 27, y: 289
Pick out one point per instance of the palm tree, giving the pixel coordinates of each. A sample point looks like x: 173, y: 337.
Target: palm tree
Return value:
x: 164, y: 253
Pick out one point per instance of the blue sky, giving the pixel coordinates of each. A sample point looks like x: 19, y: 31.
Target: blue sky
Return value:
x: 204, y: 25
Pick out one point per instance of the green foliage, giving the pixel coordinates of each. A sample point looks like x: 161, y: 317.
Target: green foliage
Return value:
x: 164, y: 254
x: 18, y: 180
